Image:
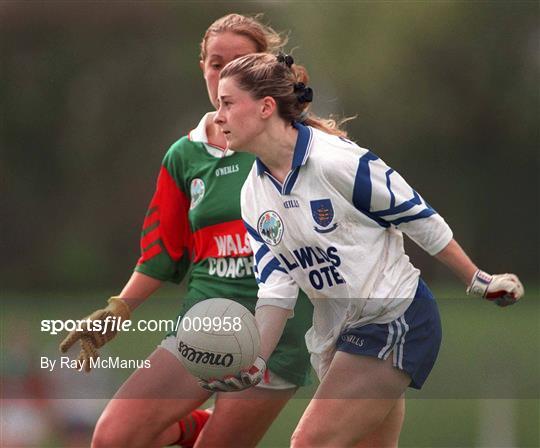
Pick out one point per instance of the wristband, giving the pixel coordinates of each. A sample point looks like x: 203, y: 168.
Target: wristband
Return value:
x: 479, y: 283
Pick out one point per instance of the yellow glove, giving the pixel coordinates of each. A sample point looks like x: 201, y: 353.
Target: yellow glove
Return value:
x: 94, y: 336
x: 88, y: 351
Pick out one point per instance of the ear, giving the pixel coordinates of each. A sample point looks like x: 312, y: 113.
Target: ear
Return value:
x: 201, y: 65
x: 268, y: 106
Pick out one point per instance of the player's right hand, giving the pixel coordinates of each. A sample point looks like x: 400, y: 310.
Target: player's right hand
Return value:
x: 502, y: 289
x: 92, y: 337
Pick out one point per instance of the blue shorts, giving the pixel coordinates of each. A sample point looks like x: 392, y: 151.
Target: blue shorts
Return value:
x: 413, y: 339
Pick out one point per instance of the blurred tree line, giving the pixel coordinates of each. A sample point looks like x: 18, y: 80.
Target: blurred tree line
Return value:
x: 93, y: 94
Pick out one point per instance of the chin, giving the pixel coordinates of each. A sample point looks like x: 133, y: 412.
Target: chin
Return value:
x: 233, y: 144
x: 240, y: 147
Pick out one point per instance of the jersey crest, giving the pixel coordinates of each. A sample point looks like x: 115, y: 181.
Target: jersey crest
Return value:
x: 197, y: 192
x: 270, y: 227
x: 323, y: 214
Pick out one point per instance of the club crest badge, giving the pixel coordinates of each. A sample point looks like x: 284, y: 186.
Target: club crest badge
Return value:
x: 197, y: 192
x: 323, y: 214
x: 270, y: 227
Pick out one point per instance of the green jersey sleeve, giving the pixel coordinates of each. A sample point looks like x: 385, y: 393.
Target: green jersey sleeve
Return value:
x: 166, y: 239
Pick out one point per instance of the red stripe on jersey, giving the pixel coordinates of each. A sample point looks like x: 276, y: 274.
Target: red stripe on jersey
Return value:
x: 171, y: 209
x: 227, y: 239
x: 150, y: 219
x: 150, y: 253
x: 149, y: 238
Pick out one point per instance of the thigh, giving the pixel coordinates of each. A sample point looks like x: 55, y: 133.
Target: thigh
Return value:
x: 354, y: 398
x: 149, y: 401
x: 241, y: 419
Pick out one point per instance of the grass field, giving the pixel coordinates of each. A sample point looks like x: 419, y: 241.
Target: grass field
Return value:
x: 484, y: 390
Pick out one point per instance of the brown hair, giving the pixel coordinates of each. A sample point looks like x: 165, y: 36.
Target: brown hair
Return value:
x: 264, y: 74
x: 265, y: 38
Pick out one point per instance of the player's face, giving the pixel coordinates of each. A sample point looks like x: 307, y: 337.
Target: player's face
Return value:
x: 238, y: 115
x: 221, y: 49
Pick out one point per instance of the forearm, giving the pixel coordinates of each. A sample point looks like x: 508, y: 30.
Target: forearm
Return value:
x: 271, y: 321
x: 458, y: 261
x: 138, y: 288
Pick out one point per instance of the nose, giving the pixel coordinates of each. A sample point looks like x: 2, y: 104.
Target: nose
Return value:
x: 219, y: 119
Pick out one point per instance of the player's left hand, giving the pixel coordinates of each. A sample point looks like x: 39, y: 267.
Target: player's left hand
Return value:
x: 502, y: 289
x: 244, y: 380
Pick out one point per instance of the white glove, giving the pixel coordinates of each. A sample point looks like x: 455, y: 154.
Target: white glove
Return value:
x: 503, y: 289
x: 245, y: 379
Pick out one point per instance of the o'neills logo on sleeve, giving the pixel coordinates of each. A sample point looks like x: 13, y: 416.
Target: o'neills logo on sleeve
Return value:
x: 207, y: 358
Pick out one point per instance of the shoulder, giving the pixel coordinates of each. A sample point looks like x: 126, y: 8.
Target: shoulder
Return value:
x: 250, y: 184
x: 332, y: 153
x: 183, y: 148
x: 248, y: 193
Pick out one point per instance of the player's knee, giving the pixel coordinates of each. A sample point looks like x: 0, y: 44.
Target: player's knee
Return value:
x: 308, y: 436
x: 108, y: 433
x: 304, y: 439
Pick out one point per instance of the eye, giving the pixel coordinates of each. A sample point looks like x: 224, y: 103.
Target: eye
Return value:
x: 216, y: 66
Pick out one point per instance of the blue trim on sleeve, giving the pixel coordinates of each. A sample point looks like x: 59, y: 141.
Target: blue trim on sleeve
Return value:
x: 362, y: 183
x: 392, y: 195
x: 263, y: 250
x: 362, y: 197
x: 362, y: 188
x: 273, y: 265
x: 416, y: 200
x: 254, y: 234
x: 426, y: 213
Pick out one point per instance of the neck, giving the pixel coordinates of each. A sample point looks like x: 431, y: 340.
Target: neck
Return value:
x: 275, y: 148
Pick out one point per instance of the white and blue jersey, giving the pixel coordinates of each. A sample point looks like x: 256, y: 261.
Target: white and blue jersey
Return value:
x: 334, y: 228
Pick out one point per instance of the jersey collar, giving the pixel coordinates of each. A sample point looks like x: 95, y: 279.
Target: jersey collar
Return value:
x: 199, y: 135
x: 300, y: 156
x: 301, y: 149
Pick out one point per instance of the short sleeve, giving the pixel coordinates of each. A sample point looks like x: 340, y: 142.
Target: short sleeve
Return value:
x: 384, y: 196
x: 166, y: 234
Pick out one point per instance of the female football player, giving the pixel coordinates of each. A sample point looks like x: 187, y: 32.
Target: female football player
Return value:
x: 193, y: 227
x: 327, y: 216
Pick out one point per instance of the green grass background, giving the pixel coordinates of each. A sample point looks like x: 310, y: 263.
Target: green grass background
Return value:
x: 483, y: 391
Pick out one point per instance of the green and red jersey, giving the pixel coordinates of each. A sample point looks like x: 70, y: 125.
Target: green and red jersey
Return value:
x: 193, y: 227
x: 193, y: 222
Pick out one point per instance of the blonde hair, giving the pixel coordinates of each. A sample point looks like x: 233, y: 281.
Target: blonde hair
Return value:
x: 265, y: 38
x: 263, y: 74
